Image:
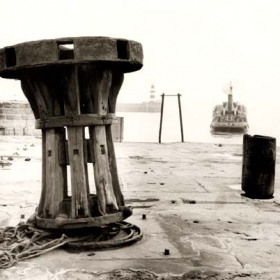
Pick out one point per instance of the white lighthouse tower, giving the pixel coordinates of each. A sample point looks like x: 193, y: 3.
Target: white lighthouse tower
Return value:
x: 152, y: 94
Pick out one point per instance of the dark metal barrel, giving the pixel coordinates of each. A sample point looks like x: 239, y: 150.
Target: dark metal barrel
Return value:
x: 258, y: 169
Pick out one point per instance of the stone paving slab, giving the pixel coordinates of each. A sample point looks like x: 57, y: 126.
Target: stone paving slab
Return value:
x: 191, y: 195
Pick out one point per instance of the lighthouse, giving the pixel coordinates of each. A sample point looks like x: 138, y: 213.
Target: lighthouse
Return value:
x: 230, y: 102
x: 152, y: 94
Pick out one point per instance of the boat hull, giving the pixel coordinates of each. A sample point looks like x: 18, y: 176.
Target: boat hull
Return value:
x: 229, y: 128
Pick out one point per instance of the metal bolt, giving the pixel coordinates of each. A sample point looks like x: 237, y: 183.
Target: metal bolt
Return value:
x: 166, y: 252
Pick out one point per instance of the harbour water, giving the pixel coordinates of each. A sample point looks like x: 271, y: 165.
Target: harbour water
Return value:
x: 144, y: 127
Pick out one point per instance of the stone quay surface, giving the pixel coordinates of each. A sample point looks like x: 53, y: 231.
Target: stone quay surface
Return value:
x: 190, y: 196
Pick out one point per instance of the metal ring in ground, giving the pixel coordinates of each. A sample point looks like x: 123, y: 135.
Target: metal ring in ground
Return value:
x: 128, y: 234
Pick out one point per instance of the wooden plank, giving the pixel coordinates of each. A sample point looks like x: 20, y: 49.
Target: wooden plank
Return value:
x: 117, y: 81
x: 113, y: 167
x: 80, y: 120
x: 39, y: 108
x: 55, y: 174
x: 99, y: 85
x: 62, y: 145
x: 114, y: 91
x: 79, y: 186
x: 43, y: 187
x: 79, y: 182
x: 29, y: 93
x: 85, y: 150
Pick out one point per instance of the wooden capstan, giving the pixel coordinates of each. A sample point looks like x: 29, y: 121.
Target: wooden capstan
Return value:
x: 72, y: 85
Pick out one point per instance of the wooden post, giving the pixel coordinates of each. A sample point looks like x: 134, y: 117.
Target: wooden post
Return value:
x: 79, y: 181
x: 117, y: 80
x: 258, y: 168
x: 99, y: 83
x: 161, y: 116
x: 180, y: 115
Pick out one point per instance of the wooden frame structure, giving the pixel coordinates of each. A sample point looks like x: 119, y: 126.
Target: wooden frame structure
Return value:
x: 72, y: 84
x: 180, y: 115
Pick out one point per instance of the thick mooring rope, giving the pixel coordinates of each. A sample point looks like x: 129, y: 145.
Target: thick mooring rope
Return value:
x: 26, y: 241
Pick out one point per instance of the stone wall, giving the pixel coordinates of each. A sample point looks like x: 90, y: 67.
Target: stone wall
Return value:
x: 16, y: 118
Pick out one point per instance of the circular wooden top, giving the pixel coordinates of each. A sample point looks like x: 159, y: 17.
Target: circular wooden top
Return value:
x: 125, y: 54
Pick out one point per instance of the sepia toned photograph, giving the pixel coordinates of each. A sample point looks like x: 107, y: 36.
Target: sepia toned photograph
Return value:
x: 139, y: 139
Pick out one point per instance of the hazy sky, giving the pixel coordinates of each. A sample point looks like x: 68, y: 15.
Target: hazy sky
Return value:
x: 192, y: 47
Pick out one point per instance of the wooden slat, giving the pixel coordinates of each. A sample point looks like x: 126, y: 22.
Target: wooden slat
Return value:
x: 99, y: 87
x: 29, y: 93
x: 79, y: 187
x: 114, y: 90
x: 64, y: 157
x: 117, y: 81
x: 55, y: 176
x: 113, y: 167
x: 80, y: 120
x: 40, y: 109
x: 79, y: 182
x: 43, y: 187
x: 62, y: 144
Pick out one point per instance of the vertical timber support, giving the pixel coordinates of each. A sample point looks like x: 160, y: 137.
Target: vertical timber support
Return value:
x: 161, y: 117
x: 79, y: 183
x: 180, y: 115
x: 117, y: 80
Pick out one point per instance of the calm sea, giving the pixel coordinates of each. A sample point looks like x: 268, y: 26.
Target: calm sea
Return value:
x: 144, y: 127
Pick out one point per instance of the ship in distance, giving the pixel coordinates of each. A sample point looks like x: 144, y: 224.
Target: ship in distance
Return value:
x: 229, y: 117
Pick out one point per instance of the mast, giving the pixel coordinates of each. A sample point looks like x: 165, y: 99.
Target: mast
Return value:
x: 230, y: 102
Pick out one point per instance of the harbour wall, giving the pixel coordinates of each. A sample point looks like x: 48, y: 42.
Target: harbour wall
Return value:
x: 16, y: 118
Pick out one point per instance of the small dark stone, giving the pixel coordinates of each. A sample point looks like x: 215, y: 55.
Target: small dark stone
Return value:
x: 27, y: 159
x: 166, y: 252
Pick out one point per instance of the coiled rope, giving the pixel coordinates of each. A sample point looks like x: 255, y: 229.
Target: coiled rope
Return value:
x: 26, y: 241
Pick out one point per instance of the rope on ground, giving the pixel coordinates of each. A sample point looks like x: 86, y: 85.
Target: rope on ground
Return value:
x: 26, y: 241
